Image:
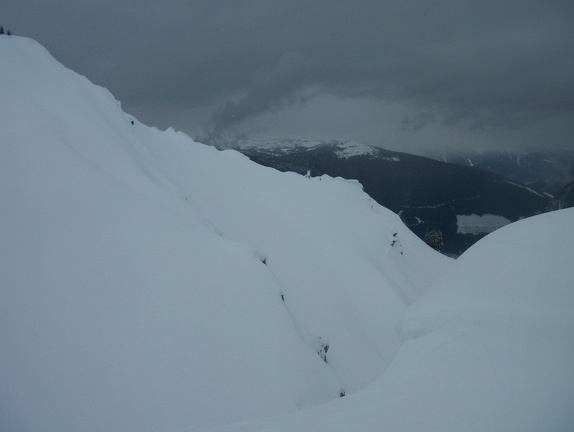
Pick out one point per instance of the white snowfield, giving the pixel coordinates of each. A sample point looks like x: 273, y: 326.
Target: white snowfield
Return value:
x: 479, y: 224
x: 151, y: 283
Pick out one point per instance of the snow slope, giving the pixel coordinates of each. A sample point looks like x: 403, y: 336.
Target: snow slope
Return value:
x: 488, y: 348
x: 151, y: 283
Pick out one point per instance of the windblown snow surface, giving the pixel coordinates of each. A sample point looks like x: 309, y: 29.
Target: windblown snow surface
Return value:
x: 151, y: 283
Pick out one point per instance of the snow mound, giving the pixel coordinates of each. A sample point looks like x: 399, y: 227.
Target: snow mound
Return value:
x: 522, y: 270
x: 148, y: 282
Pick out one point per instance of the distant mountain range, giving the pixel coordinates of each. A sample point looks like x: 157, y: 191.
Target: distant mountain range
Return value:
x: 463, y: 203
x: 563, y: 199
x: 544, y: 171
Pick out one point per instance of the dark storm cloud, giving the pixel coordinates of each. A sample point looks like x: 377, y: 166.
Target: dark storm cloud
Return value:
x: 484, y: 64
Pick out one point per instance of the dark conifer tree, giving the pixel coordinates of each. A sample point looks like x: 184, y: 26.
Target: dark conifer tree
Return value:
x: 434, y: 239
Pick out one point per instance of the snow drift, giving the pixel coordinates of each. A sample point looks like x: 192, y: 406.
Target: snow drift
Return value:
x: 151, y: 283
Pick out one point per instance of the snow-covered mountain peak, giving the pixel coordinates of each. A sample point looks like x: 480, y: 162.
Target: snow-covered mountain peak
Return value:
x: 343, y: 149
x: 352, y: 148
x: 284, y: 145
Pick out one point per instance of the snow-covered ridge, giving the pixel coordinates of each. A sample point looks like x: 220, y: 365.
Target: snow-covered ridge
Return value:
x: 152, y: 283
x: 352, y: 148
x: 280, y: 144
x: 343, y: 149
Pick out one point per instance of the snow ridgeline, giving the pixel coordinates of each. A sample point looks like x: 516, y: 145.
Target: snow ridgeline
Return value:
x: 151, y: 283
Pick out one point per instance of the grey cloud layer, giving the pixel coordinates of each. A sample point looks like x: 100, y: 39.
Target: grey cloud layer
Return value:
x: 491, y: 63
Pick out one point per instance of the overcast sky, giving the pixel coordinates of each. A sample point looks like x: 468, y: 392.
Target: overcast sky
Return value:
x: 405, y: 75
